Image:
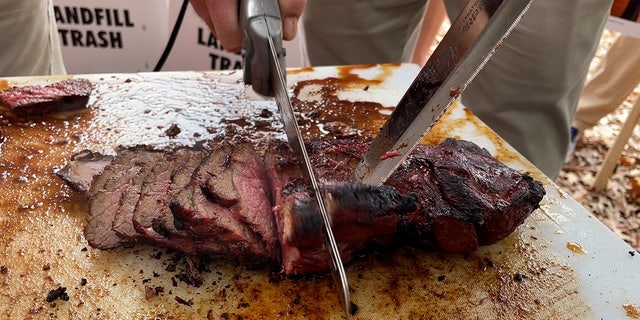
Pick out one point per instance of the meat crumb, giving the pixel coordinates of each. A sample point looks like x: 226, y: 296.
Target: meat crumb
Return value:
x: 59, y: 293
x: 4, y: 269
x: 190, y: 273
x: 149, y: 293
x: 173, y: 131
x: 83, y: 282
x: 185, y: 302
x: 390, y: 154
x: 46, y: 267
x: 265, y: 113
x: 354, y: 309
x: 454, y: 91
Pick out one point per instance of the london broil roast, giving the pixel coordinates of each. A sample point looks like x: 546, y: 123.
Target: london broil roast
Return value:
x: 247, y: 200
x: 229, y: 198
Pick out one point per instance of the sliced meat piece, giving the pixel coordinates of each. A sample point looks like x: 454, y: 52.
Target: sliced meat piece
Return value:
x: 152, y: 166
x: 79, y: 172
x: 287, y: 187
x: 227, y: 200
x: 39, y: 100
x: 155, y: 222
x: 235, y: 178
x: 106, y: 193
x: 153, y: 219
x: 198, y: 216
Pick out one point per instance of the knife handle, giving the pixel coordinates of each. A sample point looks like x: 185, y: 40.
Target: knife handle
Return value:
x: 261, y: 19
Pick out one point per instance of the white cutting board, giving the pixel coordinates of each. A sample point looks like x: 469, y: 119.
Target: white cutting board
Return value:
x: 137, y: 108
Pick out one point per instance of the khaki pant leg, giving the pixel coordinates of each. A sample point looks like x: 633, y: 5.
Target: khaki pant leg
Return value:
x: 347, y: 32
x: 57, y: 61
x: 29, y: 39
x: 615, y: 77
x: 528, y: 91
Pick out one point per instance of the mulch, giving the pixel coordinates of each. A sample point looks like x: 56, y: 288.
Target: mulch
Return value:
x: 618, y: 206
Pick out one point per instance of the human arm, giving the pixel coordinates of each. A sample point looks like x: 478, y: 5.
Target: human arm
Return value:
x: 223, y: 20
x: 434, y: 15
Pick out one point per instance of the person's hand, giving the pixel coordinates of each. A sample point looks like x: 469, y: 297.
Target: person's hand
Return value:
x: 222, y: 18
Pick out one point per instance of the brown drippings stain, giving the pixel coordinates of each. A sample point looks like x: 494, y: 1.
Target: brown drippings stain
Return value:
x: 632, y: 311
x: 300, y: 70
x: 575, y: 248
x: 329, y: 108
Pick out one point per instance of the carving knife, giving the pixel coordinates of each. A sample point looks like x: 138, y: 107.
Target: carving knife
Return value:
x: 264, y: 69
x: 472, y: 39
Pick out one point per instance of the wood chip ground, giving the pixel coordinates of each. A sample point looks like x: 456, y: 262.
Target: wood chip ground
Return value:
x: 618, y: 206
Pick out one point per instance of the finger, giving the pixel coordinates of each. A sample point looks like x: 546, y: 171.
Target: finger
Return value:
x: 200, y: 7
x: 291, y: 10
x: 225, y: 20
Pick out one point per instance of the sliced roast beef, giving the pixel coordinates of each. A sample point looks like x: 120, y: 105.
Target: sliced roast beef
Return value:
x: 226, y: 199
x: 152, y: 166
x: 43, y: 99
x: 106, y: 193
x: 152, y: 218
x: 288, y: 188
x: 79, y: 173
x: 234, y: 177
